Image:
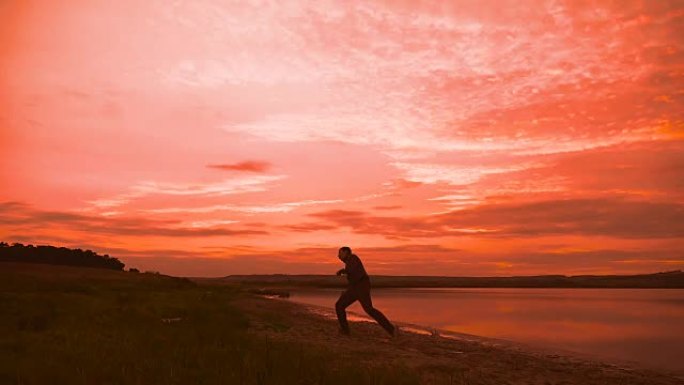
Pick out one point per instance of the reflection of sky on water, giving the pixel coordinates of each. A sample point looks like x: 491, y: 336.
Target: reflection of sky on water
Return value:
x: 643, y: 325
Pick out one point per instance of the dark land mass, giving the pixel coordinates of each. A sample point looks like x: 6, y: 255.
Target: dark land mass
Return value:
x: 52, y: 255
x: 75, y: 325
x: 670, y: 279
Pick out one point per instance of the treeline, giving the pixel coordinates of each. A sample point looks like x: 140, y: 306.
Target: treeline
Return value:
x: 18, y: 252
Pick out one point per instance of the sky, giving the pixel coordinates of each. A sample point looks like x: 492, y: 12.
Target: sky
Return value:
x: 208, y: 138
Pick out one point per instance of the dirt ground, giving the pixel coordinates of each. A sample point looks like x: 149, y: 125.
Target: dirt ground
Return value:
x: 440, y: 357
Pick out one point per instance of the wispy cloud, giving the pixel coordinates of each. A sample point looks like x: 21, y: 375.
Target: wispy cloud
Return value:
x: 451, y: 174
x: 615, y: 217
x: 397, y: 259
x: 24, y: 219
x: 266, y: 208
x: 225, y: 187
x: 249, y: 165
x: 240, y: 185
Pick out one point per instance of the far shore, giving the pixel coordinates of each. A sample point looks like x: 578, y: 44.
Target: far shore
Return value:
x: 664, y: 280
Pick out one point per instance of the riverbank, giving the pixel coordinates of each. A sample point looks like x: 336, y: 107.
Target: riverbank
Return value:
x: 439, y: 357
x: 68, y: 325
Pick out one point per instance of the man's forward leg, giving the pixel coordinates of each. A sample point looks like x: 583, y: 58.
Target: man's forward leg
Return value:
x: 347, y: 298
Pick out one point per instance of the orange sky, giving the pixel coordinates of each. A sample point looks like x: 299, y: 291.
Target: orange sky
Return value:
x: 453, y: 138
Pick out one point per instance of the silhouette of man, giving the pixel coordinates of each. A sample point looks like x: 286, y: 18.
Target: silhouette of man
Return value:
x: 358, y: 289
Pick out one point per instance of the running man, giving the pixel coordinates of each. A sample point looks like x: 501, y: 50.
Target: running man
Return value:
x: 358, y: 289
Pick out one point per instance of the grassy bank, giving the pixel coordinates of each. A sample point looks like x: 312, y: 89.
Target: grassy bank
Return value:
x: 65, y: 325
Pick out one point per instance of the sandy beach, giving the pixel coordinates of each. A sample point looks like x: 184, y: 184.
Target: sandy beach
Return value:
x: 440, y: 356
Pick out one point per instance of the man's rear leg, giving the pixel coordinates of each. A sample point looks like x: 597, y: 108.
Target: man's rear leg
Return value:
x: 377, y: 315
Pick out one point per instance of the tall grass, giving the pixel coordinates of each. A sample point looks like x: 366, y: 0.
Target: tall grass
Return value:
x: 79, y: 326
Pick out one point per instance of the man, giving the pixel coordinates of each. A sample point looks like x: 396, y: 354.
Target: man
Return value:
x: 358, y: 289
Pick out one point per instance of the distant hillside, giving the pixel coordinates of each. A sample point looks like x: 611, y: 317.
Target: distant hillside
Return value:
x: 671, y: 279
x: 51, y: 255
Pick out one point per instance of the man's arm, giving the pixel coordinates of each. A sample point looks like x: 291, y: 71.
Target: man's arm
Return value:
x: 341, y: 271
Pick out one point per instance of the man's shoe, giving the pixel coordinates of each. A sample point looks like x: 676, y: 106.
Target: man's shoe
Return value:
x: 344, y: 332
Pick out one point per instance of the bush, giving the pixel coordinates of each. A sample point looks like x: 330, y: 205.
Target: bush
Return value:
x: 52, y: 255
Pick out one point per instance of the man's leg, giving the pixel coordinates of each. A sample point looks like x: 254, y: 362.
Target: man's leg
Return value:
x: 367, y: 303
x: 346, y: 299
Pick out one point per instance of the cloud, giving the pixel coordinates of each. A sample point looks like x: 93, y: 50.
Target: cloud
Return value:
x: 198, y: 266
x: 598, y: 257
x: 226, y: 187
x: 23, y: 219
x: 211, y: 223
x: 388, y: 207
x: 12, y: 206
x: 309, y: 227
x: 615, y: 217
x: 390, y: 227
x: 417, y: 259
x: 556, y: 91
x: 249, y: 166
x: 644, y: 170
x: 304, y: 260
x: 452, y: 174
x: 255, y: 209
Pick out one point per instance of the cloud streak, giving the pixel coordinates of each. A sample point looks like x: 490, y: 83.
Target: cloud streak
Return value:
x: 616, y: 217
x: 248, y: 165
x: 21, y: 218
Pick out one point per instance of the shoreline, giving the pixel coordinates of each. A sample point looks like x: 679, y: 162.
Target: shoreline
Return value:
x: 151, y: 328
x: 635, y: 326
x: 489, y: 341
x: 479, y: 359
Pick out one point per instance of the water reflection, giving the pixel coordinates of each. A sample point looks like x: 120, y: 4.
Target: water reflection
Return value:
x: 643, y: 325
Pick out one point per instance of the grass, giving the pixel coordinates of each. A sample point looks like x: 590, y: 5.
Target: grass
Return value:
x: 65, y: 325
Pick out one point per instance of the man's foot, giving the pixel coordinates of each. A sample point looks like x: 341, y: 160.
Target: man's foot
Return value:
x: 344, y: 332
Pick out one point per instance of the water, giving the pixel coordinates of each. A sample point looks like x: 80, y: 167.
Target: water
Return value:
x: 640, y: 325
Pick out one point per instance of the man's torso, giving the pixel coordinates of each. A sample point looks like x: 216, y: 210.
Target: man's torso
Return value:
x: 355, y: 271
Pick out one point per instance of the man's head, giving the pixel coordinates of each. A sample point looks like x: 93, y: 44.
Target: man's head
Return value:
x: 344, y: 253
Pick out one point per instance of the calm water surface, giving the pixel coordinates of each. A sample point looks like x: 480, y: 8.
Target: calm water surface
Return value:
x: 642, y: 325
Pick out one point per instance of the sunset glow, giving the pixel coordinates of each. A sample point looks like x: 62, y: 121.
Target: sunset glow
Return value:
x: 209, y: 138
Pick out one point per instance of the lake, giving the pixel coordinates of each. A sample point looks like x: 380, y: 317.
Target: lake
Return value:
x: 641, y: 325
